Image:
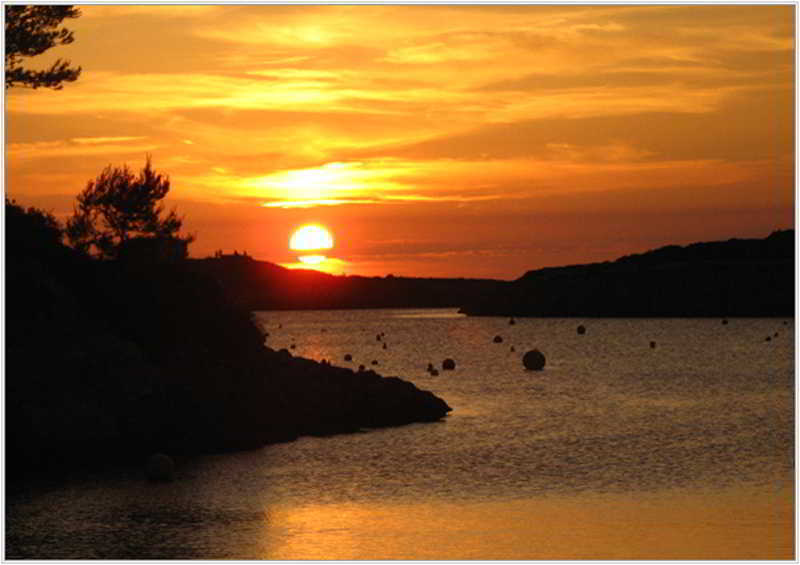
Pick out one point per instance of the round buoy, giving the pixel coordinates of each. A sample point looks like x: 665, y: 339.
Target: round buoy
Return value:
x: 534, y: 360
x: 511, y: 322
x: 448, y: 364
x: 581, y: 330
x: 160, y: 467
x: 348, y: 357
x: 724, y: 322
x: 361, y: 368
x: 768, y: 338
x: 498, y: 339
x: 292, y: 346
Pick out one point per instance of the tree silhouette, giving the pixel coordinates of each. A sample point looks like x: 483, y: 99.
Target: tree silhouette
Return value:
x: 118, y: 206
x: 30, y: 31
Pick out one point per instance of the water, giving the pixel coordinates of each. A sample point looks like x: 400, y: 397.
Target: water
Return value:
x: 615, y: 451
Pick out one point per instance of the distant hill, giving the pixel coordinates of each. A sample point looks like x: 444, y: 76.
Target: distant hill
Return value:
x: 738, y: 277
x: 260, y: 285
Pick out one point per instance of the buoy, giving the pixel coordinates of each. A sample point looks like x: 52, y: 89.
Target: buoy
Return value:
x: 434, y: 373
x: 511, y: 322
x: 652, y: 345
x: 378, y: 337
x: 776, y: 334
x: 581, y: 330
x: 384, y: 345
x: 498, y: 339
x: 448, y: 364
x: 512, y: 348
x: 160, y: 467
x: 534, y: 360
x: 360, y: 368
x: 348, y: 357
x: 768, y: 339
x: 292, y: 346
x: 374, y: 362
x: 724, y: 322
x: 430, y: 367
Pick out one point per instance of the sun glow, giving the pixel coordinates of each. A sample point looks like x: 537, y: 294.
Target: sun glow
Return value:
x: 311, y: 238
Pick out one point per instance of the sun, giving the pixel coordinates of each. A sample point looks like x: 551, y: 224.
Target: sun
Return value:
x: 311, y: 237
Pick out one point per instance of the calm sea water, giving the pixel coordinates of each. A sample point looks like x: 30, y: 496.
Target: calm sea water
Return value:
x: 615, y: 451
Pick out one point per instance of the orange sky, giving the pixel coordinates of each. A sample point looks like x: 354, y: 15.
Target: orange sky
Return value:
x: 474, y: 141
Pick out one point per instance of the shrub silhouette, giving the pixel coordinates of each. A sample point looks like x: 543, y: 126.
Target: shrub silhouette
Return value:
x: 118, y: 206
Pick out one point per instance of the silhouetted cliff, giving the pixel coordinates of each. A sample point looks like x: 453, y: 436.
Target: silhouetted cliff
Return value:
x: 738, y: 277
x: 114, y: 360
x: 260, y: 285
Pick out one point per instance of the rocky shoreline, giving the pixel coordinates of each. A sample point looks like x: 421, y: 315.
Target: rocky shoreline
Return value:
x: 112, y: 361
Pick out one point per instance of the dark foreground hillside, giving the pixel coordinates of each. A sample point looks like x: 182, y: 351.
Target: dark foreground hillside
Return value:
x: 738, y: 277
x: 109, y: 361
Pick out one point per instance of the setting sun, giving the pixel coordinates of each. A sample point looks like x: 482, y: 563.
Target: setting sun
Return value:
x: 311, y: 237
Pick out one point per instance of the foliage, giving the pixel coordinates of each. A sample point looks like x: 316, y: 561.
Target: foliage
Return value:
x: 118, y: 206
x: 30, y: 31
x: 30, y: 229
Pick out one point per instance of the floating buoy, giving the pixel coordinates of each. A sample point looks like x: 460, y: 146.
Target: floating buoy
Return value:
x: 776, y: 334
x: 292, y: 346
x: 581, y: 330
x: 348, y: 357
x: 361, y: 368
x: 430, y: 367
x: 434, y: 373
x: 374, y: 362
x: 384, y: 345
x: 160, y: 467
x: 724, y: 322
x: 511, y: 322
x: 768, y: 339
x: 512, y: 349
x: 448, y: 364
x: 498, y: 339
x: 534, y: 360
x: 652, y: 345
x: 378, y: 337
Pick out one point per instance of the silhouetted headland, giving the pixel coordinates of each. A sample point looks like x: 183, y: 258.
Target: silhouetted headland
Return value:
x: 261, y: 285
x: 738, y: 277
x: 111, y: 361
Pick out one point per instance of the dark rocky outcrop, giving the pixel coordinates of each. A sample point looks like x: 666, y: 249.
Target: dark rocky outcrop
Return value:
x: 113, y: 361
x: 738, y: 277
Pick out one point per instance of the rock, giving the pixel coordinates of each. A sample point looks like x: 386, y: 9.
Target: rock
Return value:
x: 348, y: 357
x: 533, y: 360
x: 581, y: 330
x: 448, y: 364
x: 160, y: 467
x: 498, y: 339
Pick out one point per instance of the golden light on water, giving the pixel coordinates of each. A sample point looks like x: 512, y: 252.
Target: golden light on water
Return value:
x: 312, y: 259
